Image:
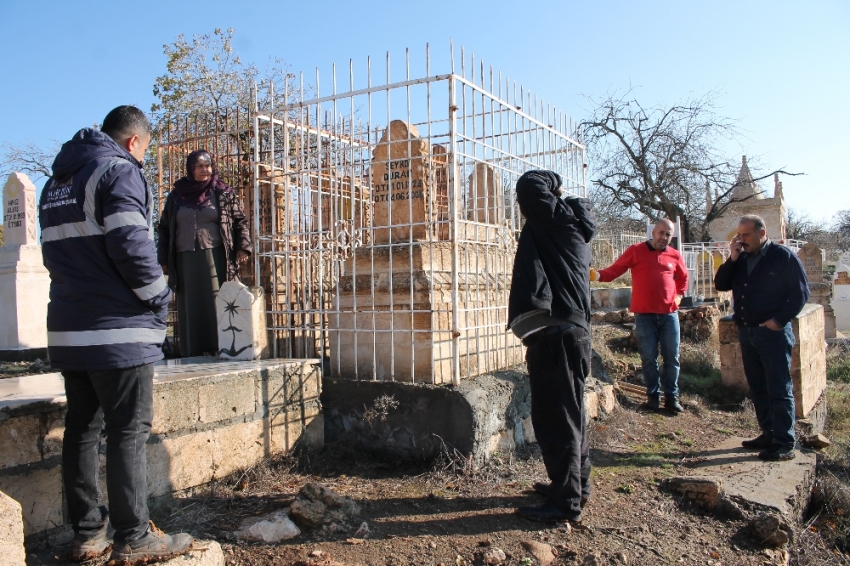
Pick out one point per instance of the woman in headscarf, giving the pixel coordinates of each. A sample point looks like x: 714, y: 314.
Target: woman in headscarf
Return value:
x: 203, y: 239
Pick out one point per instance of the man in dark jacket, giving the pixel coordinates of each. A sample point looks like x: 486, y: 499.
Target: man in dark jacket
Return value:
x: 105, y: 328
x: 769, y: 288
x: 549, y: 309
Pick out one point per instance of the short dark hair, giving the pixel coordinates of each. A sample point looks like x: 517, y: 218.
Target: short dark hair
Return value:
x: 124, y: 122
x: 757, y: 221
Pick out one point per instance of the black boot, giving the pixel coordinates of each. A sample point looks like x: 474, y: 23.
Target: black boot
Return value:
x: 672, y: 404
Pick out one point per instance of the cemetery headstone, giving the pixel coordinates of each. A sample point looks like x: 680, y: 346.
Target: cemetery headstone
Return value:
x: 241, y: 322
x: 24, y: 282
x: 820, y: 291
x: 19, y: 220
x: 401, y: 192
x: 812, y: 259
x: 484, y: 205
x: 841, y: 295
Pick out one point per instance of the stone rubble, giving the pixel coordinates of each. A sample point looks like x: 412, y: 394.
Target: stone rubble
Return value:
x: 771, y: 529
x: 541, y: 551
x: 318, y: 506
x: 817, y: 441
x: 705, y: 490
x: 270, y: 528
x: 494, y: 556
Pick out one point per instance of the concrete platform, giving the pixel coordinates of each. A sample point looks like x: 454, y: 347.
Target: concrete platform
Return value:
x: 50, y: 387
x: 211, y: 418
x: 756, y: 486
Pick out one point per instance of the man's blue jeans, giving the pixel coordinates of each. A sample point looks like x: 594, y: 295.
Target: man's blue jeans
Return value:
x: 766, y: 355
x: 654, y: 332
x: 122, y: 399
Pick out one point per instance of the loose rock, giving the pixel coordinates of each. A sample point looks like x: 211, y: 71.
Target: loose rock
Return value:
x: 316, y: 505
x: 541, y: 551
x: 771, y: 529
x: 591, y: 560
x: 363, y: 531
x: 817, y: 441
x: 273, y: 527
x: 494, y: 556
x: 203, y: 553
x: 705, y: 490
x: 621, y: 558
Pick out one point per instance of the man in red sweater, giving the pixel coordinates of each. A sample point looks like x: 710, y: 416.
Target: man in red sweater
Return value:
x: 659, y: 279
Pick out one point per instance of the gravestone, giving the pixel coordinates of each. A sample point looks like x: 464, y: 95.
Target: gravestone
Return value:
x: 24, y: 281
x: 241, y: 322
x: 484, y: 203
x: 841, y: 295
x: 820, y: 291
x: 402, y: 199
x: 19, y: 220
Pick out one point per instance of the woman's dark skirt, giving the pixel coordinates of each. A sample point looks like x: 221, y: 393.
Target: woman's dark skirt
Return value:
x: 200, y: 274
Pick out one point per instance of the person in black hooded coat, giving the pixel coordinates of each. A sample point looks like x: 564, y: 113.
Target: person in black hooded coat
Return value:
x: 549, y: 309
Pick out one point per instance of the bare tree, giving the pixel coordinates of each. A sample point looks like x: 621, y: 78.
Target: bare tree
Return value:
x: 663, y: 161
x: 35, y: 161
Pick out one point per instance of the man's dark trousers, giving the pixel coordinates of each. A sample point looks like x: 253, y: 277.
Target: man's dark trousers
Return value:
x: 766, y: 355
x: 123, y: 400
x: 558, y: 361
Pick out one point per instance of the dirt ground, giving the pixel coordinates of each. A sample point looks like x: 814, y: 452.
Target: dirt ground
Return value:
x: 450, y: 513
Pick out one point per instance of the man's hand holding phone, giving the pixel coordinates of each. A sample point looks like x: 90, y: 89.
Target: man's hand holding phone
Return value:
x: 735, y: 248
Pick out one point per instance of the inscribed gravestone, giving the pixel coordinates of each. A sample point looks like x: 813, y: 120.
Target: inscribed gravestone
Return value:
x: 401, y: 193
x: 812, y: 260
x: 19, y: 211
x: 241, y: 322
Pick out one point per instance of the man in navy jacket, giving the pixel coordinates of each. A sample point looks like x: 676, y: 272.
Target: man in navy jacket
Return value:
x: 769, y: 288
x: 549, y: 309
x: 105, y: 328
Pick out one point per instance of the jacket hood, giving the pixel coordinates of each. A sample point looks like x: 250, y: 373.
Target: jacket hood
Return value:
x: 86, y: 145
x: 583, y: 211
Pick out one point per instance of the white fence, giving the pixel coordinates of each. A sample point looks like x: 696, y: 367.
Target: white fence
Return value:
x: 387, y: 220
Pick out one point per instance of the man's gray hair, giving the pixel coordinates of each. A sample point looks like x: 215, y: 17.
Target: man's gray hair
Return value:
x: 755, y: 219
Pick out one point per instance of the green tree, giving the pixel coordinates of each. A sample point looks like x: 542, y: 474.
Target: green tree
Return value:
x: 206, y: 75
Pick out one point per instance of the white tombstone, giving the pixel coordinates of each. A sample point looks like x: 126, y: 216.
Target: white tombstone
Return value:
x: 241, y: 322
x: 24, y: 281
x: 841, y: 295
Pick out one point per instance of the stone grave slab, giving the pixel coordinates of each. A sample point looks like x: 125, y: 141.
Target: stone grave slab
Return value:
x: 241, y: 322
x: 820, y: 291
x: 756, y: 485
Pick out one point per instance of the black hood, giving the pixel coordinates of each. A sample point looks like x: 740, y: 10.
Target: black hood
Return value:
x: 86, y: 145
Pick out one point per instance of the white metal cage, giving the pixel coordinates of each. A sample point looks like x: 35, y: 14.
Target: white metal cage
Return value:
x: 386, y: 217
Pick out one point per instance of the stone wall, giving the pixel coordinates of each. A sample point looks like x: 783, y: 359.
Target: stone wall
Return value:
x: 205, y: 427
x: 613, y: 298
x: 808, y: 363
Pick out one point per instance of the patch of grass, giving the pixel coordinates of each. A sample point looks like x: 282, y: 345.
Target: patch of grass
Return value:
x: 724, y: 431
x: 688, y: 442
x: 838, y: 363
x: 710, y: 388
x: 833, y: 478
x: 699, y: 358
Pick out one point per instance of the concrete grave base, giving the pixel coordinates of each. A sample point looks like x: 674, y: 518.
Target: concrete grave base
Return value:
x: 482, y: 415
x: 211, y: 418
x: 11, y: 532
x: 752, y: 486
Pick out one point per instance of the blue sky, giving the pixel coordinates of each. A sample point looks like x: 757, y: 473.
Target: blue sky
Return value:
x: 781, y: 69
